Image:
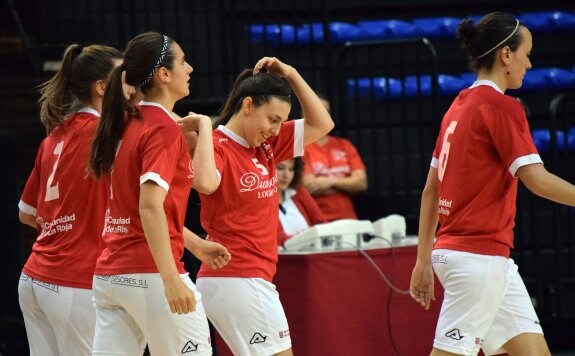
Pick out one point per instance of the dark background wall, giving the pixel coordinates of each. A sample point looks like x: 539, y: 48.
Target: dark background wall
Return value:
x: 394, y: 135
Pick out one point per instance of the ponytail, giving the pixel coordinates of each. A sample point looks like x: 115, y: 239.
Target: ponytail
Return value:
x: 111, y: 126
x: 71, y: 87
x: 143, y: 55
x: 55, y: 100
x: 261, y: 87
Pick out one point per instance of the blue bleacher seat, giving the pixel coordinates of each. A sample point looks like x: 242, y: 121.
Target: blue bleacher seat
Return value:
x: 548, y: 21
x: 571, y: 139
x: 438, y: 27
x: 413, y: 83
x: 534, y: 79
x: 449, y: 84
x: 387, y: 29
x: 558, y: 78
x: 381, y: 87
x: 273, y: 33
x: 542, y: 140
x: 432, y: 27
x: 468, y: 78
x: 340, y: 32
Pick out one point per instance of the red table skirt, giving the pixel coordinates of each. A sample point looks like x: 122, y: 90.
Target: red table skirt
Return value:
x: 337, y: 304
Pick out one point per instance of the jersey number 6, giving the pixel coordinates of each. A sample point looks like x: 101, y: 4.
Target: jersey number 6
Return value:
x: 444, y: 155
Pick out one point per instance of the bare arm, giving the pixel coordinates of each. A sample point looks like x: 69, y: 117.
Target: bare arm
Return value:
x: 421, y: 288
x: 211, y: 253
x: 180, y: 298
x: 198, y: 132
x: 318, y: 122
x: 355, y: 183
x: 27, y: 219
x: 546, y: 185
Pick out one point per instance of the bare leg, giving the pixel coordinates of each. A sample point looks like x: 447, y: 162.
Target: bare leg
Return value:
x: 527, y: 344
x: 438, y: 352
x: 287, y: 352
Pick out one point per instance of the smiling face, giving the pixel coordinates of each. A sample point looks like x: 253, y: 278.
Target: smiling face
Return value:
x: 285, y: 172
x: 519, y: 61
x: 262, y: 122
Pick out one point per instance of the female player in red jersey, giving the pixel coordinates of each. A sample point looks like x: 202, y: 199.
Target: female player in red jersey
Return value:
x: 483, y: 146
x: 55, y: 286
x: 242, y: 213
x: 141, y: 291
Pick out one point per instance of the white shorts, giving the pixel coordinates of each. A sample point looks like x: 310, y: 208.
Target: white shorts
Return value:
x: 59, y: 320
x: 247, y: 313
x: 485, y: 303
x: 131, y: 309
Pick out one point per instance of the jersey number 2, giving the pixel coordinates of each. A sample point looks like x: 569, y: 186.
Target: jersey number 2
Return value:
x: 444, y: 155
x: 52, y: 191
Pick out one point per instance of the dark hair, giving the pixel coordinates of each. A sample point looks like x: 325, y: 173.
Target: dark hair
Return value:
x: 297, y: 172
x: 144, y: 54
x: 261, y: 87
x: 71, y: 86
x: 481, y: 40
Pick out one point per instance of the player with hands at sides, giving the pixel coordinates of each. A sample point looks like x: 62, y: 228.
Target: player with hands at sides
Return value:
x: 484, y: 146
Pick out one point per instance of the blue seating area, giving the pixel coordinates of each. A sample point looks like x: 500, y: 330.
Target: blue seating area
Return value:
x: 417, y: 86
x: 385, y: 29
x: 564, y: 141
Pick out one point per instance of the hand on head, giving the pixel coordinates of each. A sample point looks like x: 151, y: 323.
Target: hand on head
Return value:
x: 273, y: 65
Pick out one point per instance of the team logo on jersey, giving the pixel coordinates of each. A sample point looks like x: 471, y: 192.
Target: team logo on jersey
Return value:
x: 320, y: 169
x: 265, y: 188
x: 338, y: 155
x: 189, y: 347
x: 454, y: 334
x: 258, y: 339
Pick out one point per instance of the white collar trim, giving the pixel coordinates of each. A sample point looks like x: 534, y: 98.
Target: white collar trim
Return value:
x: 234, y: 136
x: 486, y: 82
x: 89, y: 111
x: 151, y: 103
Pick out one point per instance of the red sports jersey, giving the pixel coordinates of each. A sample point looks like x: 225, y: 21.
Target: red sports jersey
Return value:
x: 484, y: 139
x: 242, y: 214
x: 151, y: 149
x: 57, y: 192
x: 336, y: 158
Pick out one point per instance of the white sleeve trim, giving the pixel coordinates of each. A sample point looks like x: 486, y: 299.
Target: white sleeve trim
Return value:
x: 28, y: 209
x: 524, y: 161
x: 154, y: 177
x: 434, y: 162
x: 298, y: 138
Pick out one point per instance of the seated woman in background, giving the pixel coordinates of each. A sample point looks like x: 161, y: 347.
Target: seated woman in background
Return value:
x: 298, y: 210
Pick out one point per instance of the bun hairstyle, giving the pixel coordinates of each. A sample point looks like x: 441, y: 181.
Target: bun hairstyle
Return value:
x: 492, y: 32
x: 261, y: 87
x: 143, y: 56
x: 71, y: 87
